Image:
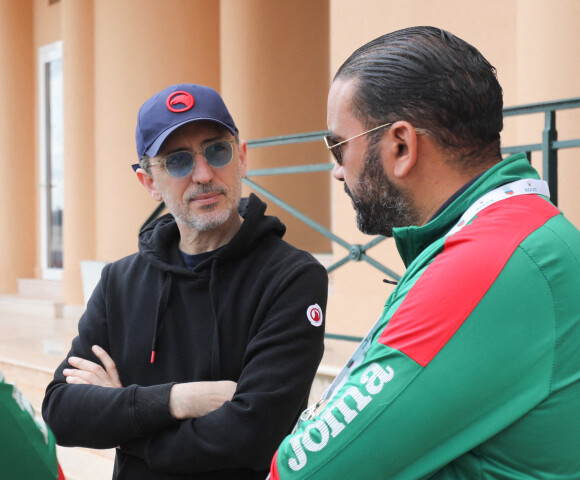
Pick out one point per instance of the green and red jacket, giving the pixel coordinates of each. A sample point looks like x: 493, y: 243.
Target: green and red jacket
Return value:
x: 27, y: 446
x: 474, y: 371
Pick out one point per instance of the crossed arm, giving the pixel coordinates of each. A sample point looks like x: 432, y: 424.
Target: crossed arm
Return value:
x: 186, y: 400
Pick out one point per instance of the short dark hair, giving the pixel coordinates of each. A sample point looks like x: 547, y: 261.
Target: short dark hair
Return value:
x: 437, y: 82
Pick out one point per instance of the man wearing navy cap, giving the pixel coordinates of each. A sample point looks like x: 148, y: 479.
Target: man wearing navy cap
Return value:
x: 195, y: 356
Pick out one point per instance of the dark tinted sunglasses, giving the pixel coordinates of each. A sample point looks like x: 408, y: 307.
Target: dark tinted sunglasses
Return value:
x: 179, y: 164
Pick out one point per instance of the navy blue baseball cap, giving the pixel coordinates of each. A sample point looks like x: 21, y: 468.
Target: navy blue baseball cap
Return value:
x: 174, y: 107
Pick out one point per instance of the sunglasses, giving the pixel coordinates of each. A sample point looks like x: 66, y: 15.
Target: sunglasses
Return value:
x: 334, y: 147
x: 180, y: 164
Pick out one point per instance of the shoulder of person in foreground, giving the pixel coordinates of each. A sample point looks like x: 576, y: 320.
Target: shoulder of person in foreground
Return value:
x: 27, y: 446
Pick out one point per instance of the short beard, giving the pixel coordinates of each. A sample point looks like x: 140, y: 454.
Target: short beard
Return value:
x: 210, y: 220
x: 380, y: 205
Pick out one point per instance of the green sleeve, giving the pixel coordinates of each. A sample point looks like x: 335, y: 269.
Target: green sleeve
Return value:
x: 27, y: 447
x: 397, y: 419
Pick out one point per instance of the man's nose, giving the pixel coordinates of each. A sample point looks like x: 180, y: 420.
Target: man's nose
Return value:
x: 338, y: 172
x: 202, y: 171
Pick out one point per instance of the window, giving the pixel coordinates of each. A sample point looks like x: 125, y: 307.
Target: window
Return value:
x: 51, y: 158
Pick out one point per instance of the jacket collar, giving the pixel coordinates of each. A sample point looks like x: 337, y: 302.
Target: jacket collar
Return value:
x: 411, y: 241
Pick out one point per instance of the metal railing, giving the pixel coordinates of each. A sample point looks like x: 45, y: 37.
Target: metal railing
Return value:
x: 549, y: 147
x: 357, y: 252
x: 550, y: 144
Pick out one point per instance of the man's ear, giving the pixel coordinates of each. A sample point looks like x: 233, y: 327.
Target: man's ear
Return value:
x: 243, y: 148
x: 403, y: 148
x: 149, y: 184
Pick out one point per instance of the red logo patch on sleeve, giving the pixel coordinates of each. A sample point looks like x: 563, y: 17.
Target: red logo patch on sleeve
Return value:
x: 314, y: 314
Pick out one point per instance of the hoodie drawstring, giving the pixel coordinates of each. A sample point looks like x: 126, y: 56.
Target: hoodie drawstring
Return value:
x: 215, y: 356
x: 161, y: 309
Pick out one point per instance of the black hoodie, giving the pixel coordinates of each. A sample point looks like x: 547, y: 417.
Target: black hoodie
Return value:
x: 243, y: 314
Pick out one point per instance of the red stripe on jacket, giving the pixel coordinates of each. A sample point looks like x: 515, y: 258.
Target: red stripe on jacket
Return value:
x: 274, y: 475
x: 458, y: 278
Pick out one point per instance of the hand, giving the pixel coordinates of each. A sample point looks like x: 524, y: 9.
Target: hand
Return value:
x: 90, y: 373
x: 196, y: 399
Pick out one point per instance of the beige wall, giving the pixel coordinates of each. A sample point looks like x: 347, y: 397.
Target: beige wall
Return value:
x: 17, y: 159
x: 275, y: 78
x: 46, y: 21
x: 548, y: 68
x: 79, y: 232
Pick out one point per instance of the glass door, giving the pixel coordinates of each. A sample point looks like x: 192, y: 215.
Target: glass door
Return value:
x: 51, y: 159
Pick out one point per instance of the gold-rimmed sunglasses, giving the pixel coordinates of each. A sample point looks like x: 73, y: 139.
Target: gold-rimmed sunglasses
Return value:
x: 337, y: 152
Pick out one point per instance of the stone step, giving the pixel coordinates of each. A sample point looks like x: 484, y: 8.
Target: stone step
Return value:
x: 39, y: 288
x: 18, y: 304
x: 324, y: 377
x: 86, y: 463
x: 30, y: 379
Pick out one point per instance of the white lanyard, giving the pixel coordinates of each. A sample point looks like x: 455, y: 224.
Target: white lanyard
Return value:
x: 525, y: 186
x: 355, y: 360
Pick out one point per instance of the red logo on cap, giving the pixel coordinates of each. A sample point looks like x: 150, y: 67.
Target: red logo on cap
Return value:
x: 180, y: 101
